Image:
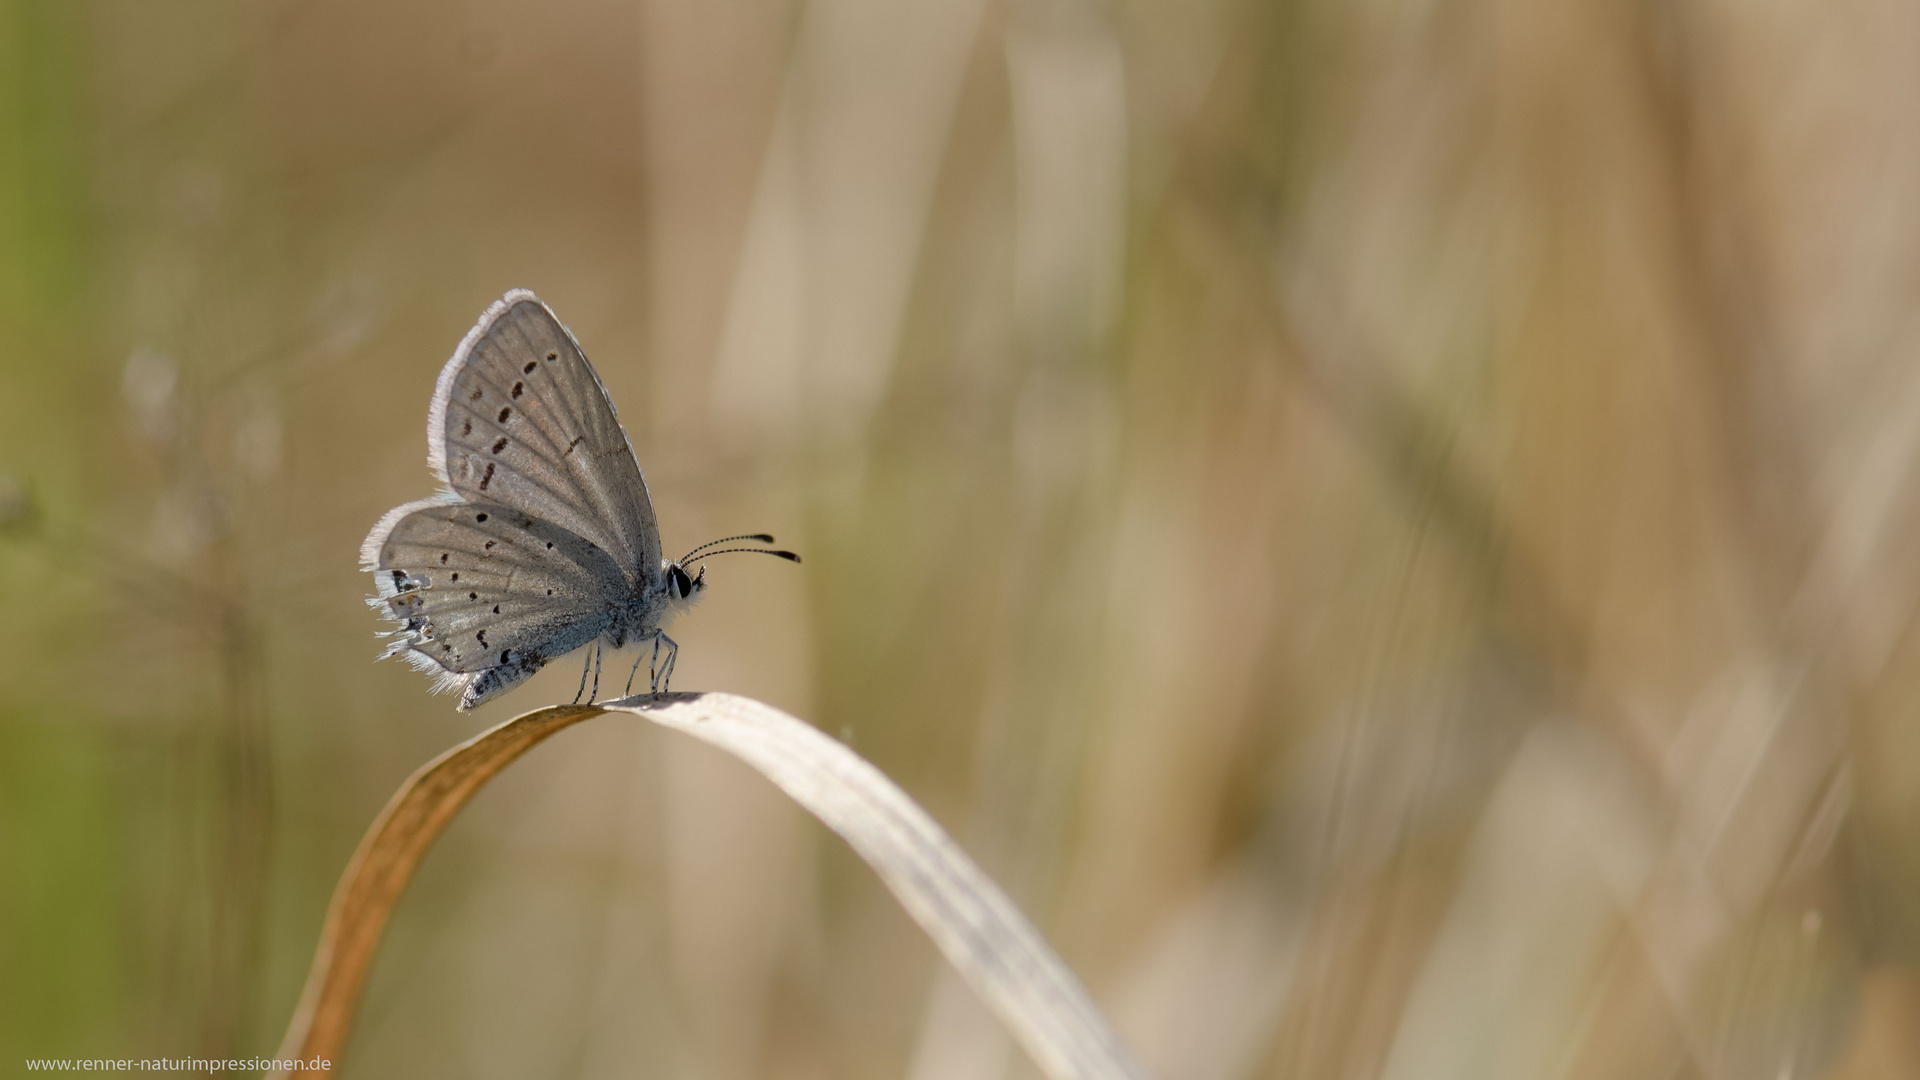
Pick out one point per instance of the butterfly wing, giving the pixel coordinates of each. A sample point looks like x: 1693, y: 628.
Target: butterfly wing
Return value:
x: 484, y: 593
x: 519, y: 418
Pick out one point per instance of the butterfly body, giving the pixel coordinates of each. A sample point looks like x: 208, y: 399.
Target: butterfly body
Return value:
x: 544, y: 539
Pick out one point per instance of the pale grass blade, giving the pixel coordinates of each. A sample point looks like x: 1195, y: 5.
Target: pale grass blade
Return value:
x: 980, y: 931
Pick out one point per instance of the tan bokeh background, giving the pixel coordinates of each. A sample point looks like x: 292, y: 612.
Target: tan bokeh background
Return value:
x: 1391, y: 528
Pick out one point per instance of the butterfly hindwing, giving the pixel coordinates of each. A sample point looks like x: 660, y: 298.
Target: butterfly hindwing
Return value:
x: 485, y: 593
x: 520, y: 418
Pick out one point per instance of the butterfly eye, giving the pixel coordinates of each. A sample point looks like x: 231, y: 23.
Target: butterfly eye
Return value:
x: 680, y: 582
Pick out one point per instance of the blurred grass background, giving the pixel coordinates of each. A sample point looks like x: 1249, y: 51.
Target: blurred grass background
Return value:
x: 1391, y: 528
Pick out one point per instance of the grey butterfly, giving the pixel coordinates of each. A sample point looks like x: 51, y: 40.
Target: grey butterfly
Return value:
x: 543, y: 540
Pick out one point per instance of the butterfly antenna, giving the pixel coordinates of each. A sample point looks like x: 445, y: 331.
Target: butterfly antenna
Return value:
x: 765, y: 538
x: 787, y: 555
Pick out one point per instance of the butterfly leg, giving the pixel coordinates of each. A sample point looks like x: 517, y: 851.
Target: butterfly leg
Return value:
x: 653, y: 665
x: 595, y: 696
x: 578, y: 694
x: 636, y: 669
x: 663, y: 672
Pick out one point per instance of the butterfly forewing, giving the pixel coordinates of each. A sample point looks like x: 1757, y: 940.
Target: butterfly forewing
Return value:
x: 521, y: 419
x: 486, y: 593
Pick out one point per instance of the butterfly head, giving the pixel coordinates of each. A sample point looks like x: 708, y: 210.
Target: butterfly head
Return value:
x: 684, y: 588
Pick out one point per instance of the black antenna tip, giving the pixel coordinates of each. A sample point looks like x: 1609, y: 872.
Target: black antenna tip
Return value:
x: 787, y: 555
x: 765, y: 538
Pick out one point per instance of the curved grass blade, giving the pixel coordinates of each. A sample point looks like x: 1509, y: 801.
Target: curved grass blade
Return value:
x: 382, y: 866
x: 979, y: 930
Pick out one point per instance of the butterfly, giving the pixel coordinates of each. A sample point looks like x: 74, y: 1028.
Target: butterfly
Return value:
x: 543, y: 539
